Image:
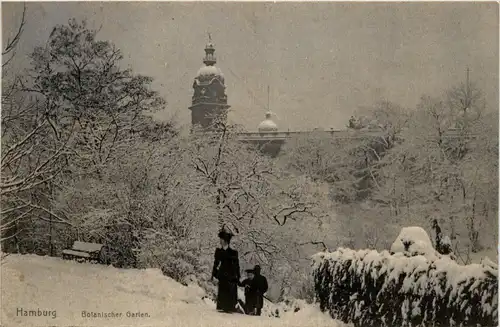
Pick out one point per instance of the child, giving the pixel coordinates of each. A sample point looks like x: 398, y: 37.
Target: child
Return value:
x: 255, y: 286
x: 250, y: 298
x: 260, y: 285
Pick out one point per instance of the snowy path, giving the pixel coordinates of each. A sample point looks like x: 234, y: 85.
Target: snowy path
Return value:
x: 50, y: 284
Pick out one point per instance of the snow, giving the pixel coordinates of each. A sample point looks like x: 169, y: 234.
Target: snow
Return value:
x: 414, y: 241
x: 31, y: 282
x: 446, y: 241
x: 423, y: 274
x: 364, y: 261
x: 84, y: 246
x: 490, y: 266
x: 267, y: 125
x: 209, y: 70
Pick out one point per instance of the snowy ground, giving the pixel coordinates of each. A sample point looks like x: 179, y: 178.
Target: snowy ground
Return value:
x: 48, y: 284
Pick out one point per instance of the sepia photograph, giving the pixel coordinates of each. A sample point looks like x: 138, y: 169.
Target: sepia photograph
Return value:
x: 249, y: 164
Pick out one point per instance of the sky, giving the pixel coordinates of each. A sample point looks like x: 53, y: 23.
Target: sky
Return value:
x: 321, y: 61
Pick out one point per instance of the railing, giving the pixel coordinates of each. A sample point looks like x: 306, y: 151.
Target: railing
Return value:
x: 340, y: 134
x: 254, y: 136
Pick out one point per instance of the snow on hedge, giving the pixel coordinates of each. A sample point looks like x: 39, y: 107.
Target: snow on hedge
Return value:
x: 370, y: 288
x: 415, y: 241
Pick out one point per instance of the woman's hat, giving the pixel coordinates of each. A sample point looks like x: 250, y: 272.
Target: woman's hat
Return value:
x: 226, y: 236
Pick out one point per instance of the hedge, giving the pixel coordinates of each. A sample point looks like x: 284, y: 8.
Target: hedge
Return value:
x: 370, y: 288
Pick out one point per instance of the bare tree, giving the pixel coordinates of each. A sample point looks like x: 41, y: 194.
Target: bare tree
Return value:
x: 9, y: 51
x: 437, y: 171
x: 432, y: 162
x: 69, y: 118
x: 31, y: 156
x: 270, y: 211
x: 241, y: 179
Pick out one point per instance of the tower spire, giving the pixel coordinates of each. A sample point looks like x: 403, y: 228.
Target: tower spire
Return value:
x: 268, y: 100
x: 467, y: 80
x: 209, y: 58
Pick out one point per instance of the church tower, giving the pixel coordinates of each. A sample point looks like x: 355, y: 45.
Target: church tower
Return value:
x: 209, y: 98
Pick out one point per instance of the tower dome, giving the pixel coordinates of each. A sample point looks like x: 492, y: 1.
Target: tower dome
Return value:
x: 267, y: 125
x: 206, y: 73
x: 209, y: 71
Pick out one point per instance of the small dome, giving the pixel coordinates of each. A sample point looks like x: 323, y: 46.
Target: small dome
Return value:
x: 268, y: 125
x: 207, y: 72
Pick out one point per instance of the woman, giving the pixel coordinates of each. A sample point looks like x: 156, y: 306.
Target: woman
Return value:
x: 227, y: 270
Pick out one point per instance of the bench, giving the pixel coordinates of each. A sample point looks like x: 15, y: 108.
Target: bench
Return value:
x: 84, y: 251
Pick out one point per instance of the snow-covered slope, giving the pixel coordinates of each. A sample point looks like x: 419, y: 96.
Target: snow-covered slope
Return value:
x: 67, y: 291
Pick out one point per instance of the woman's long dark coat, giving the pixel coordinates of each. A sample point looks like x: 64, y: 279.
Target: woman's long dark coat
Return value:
x: 227, y: 270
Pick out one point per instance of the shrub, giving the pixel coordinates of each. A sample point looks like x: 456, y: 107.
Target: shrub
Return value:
x: 370, y: 288
x: 175, y: 257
